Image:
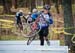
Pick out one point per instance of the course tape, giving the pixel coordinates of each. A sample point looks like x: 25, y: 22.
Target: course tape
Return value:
x: 55, y: 30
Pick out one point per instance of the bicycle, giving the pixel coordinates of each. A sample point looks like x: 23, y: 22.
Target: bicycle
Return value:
x: 28, y: 31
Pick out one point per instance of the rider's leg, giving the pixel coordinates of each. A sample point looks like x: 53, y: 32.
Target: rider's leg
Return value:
x: 41, y: 40
x: 46, y: 31
x: 41, y: 37
x: 47, y: 40
x: 20, y: 27
x: 17, y: 22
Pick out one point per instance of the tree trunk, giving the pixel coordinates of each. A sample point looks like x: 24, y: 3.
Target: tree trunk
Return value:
x: 14, y: 4
x: 46, y: 2
x: 6, y: 6
x: 57, y: 6
x: 68, y: 21
x: 33, y: 5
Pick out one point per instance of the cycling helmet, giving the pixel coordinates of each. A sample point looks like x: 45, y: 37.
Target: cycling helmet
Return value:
x: 29, y: 13
x: 34, y: 10
x: 20, y: 10
x: 47, y: 7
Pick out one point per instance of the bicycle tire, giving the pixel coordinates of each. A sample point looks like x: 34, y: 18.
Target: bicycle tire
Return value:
x: 32, y: 33
x: 16, y: 31
x: 30, y: 40
x: 26, y: 27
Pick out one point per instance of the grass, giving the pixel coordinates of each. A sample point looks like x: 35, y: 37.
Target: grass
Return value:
x: 12, y: 37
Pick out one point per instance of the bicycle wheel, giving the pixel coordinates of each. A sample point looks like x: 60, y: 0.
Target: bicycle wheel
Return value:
x: 28, y: 32
x: 30, y: 40
x: 33, y: 36
x: 16, y: 30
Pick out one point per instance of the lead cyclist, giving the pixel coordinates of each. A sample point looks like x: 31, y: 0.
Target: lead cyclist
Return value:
x: 44, y: 21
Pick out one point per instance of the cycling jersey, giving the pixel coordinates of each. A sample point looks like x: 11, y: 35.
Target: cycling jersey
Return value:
x: 45, y: 20
x: 18, y: 18
x: 29, y: 19
x: 34, y: 16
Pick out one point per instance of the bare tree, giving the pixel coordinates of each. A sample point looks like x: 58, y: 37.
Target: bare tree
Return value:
x: 68, y: 21
x: 33, y: 5
x: 6, y: 6
x: 14, y: 3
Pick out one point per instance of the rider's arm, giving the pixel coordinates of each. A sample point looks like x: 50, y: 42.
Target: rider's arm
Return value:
x: 50, y: 21
x: 37, y: 19
x: 24, y: 18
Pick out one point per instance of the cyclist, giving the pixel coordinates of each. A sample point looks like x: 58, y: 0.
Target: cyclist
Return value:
x: 34, y: 14
x: 29, y: 19
x: 18, y: 16
x: 44, y: 21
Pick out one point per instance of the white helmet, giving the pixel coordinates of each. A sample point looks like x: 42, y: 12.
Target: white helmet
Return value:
x: 20, y: 10
x: 34, y: 10
x: 29, y: 12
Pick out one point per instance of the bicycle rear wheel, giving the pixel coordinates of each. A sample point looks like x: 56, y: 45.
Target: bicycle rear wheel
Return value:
x: 15, y: 30
x: 30, y: 40
x: 26, y: 29
x: 28, y: 32
x: 33, y: 36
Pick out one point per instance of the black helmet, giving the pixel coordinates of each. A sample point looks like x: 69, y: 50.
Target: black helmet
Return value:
x: 47, y: 7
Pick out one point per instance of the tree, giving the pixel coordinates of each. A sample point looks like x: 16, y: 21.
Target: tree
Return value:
x: 68, y: 20
x: 14, y: 4
x: 6, y: 5
x: 46, y: 2
x: 33, y: 5
x: 56, y: 5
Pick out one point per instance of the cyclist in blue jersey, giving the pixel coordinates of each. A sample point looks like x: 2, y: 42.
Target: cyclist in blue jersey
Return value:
x: 34, y: 14
x: 45, y: 21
